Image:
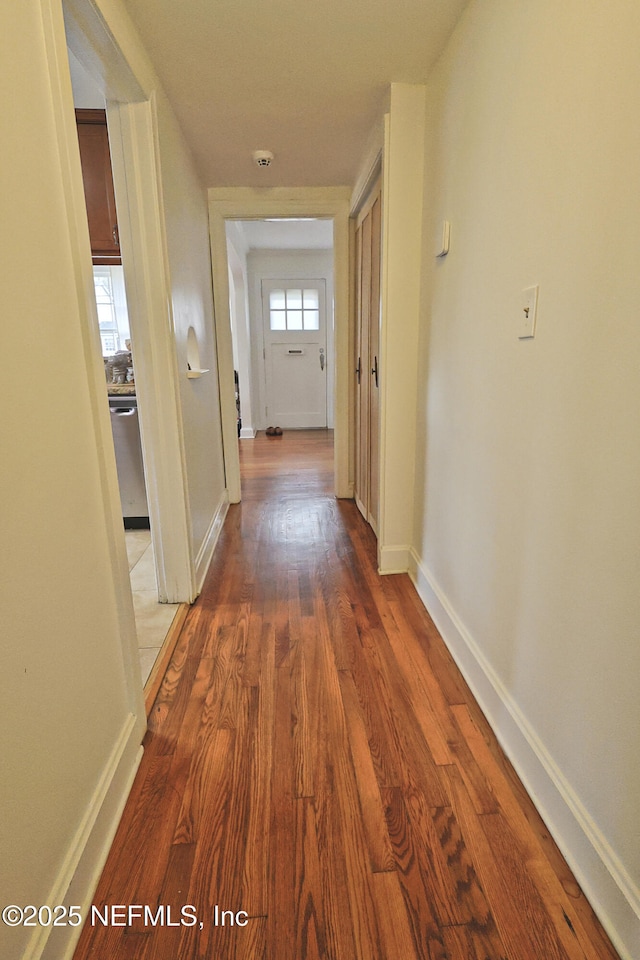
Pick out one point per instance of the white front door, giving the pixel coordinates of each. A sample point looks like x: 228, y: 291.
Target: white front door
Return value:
x: 295, y: 352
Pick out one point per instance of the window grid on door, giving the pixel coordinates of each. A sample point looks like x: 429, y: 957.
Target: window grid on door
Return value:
x: 294, y: 309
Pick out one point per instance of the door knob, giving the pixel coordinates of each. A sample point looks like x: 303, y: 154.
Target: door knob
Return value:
x: 321, y: 358
x: 358, y: 370
x: 374, y: 369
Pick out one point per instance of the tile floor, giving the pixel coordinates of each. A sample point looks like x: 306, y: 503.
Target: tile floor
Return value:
x: 153, y: 619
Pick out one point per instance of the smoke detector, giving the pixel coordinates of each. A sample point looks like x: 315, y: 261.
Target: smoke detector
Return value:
x: 262, y: 158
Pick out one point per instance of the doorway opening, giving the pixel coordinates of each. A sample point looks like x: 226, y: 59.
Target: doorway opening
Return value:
x: 281, y: 310
x: 153, y: 620
x: 227, y: 206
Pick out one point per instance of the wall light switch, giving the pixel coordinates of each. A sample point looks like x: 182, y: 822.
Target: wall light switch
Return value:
x: 527, y: 328
x: 442, y: 242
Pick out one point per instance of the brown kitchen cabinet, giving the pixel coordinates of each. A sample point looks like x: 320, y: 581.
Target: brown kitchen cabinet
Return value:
x: 98, y: 186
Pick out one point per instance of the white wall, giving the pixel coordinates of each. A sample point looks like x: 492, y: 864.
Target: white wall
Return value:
x: 527, y: 527
x: 286, y: 264
x: 403, y: 171
x: 72, y: 713
x: 187, y: 226
x: 71, y: 720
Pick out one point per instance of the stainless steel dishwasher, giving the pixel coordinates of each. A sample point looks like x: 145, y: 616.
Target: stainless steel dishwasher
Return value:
x: 126, y: 440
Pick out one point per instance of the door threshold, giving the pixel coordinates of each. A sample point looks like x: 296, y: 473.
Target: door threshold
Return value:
x: 155, y: 678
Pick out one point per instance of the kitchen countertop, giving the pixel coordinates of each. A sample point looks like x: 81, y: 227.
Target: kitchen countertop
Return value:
x: 121, y: 389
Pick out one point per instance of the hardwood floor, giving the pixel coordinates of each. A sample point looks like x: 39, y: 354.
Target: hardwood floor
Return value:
x: 315, y: 759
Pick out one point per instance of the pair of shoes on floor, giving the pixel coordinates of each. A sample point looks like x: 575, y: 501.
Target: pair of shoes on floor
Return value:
x: 274, y: 431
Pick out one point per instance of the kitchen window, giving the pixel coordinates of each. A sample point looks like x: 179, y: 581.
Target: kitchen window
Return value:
x: 111, y: 301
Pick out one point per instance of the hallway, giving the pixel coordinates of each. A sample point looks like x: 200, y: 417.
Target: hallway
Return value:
x: 316, y: 767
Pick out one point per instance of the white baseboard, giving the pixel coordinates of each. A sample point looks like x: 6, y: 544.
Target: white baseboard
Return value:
x: 205, y: 552
x: 394, y: 559
x: 606, y: 883
x: 78, y: 877
x: 247, y: 433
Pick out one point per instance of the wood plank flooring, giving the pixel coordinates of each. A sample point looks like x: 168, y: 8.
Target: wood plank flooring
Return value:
x: 315, y: 760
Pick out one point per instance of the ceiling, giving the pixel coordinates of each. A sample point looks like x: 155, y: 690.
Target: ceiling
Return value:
x: 305, y: 79
x: 285, y: 234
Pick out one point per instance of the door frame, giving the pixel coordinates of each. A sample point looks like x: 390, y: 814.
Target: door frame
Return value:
x: 133, y: 139
x: 244, y: 203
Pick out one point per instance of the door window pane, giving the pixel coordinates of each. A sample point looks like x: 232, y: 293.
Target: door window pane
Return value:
x: 294, y: 299
x: 278, y: 320
x: 310, y: 299
x: 293, y: 308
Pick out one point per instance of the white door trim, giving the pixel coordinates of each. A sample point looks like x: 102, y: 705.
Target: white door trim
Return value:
x: 133, y: 133
x: 244, y: 203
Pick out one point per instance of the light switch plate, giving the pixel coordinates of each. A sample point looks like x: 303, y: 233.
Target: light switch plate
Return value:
x: 529, y: 312
x: 442, y: 243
